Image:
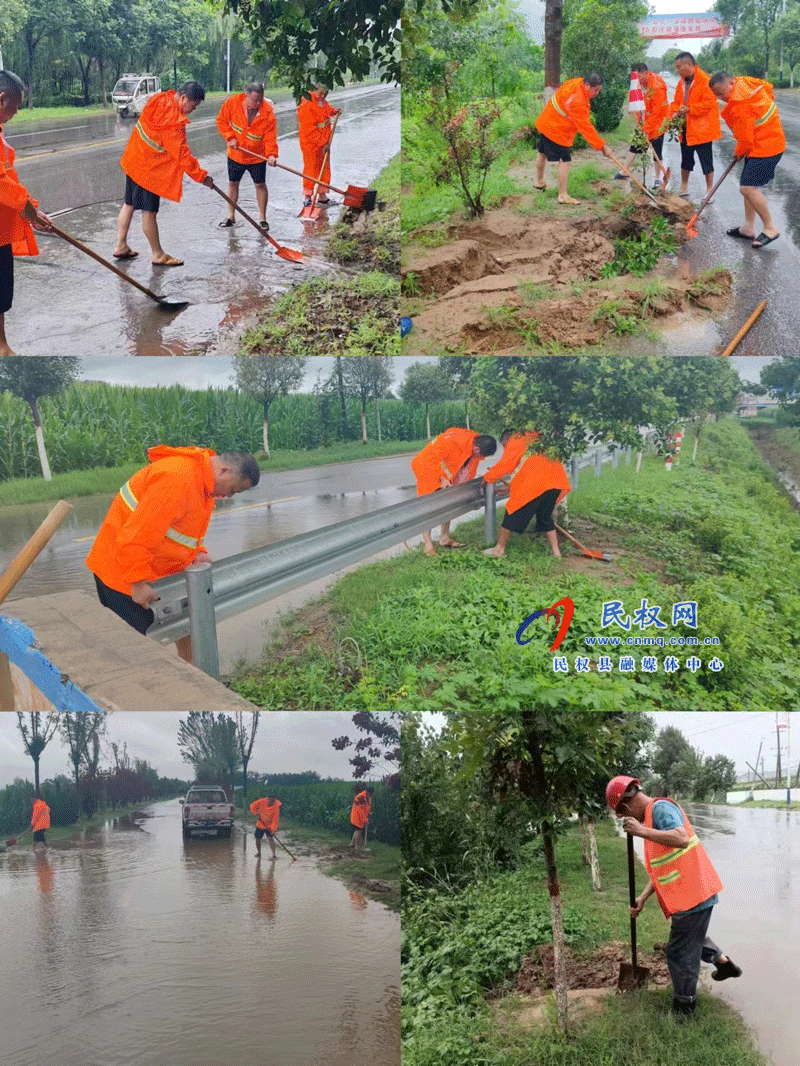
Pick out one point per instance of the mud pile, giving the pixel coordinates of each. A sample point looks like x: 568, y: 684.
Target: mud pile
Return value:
x: 599, y: 970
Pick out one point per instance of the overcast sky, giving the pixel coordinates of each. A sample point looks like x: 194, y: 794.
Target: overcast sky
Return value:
x: 286, y: 742
x: 218, y: 372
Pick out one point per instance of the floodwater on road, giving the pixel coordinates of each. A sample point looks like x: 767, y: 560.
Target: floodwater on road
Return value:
x: 67, y: 304
x: 131, y: 947
x: 756, y: 853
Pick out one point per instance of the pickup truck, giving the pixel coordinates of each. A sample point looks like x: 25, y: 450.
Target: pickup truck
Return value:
x: 206, y: 810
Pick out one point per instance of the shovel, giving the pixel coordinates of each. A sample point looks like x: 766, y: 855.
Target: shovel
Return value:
x: 632, y: 976
x: 312, y: 211
x: 167, y: 305
x: 708, y: 197
x: 284, y: 253
x: 606, y: 558
x: 635, y: 182
x: 354, y: 195
x: 292, y: 857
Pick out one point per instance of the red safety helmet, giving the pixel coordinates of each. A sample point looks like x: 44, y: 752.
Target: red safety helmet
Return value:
x: 616, y: 789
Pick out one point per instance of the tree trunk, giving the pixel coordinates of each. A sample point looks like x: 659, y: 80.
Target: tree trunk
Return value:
x: 244, y: 782
x: 427, y: 422
x: 639, y: 461
x: 363, y: 421
x: 553, y: 25
x: 584, y: 840
x: 340, y: 378
x: 378, y: 416
x: 36, y: 773
x: 37, y: 425
x: 559, y: 965
x: 466, y: 413
x: 594, y: 860
x: 102, y: 70
x: 696, y: 442
x: 266, y: 432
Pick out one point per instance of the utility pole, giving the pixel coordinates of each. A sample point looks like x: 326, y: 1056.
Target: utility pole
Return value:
x: 228, y: 74
x: 778, y: 775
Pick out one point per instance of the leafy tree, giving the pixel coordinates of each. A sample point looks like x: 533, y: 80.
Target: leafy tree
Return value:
x: 782, y: 378
x: 43, y: 20
x: 310, y: 41
x: 246, y: 739
x: 702, y: 386
x: 670, y: 752
x: 367, y: 377
x: 787, y: 37
x: 81, y: 732
x: 458, y: 369
x: 37, y: 729
x: 209, y: 743
x: 379, y: 745
x: 13, y: 14
x: 265, y: 378
x: 718, y: 774
x: 426, y: 383
x: 30, y: 379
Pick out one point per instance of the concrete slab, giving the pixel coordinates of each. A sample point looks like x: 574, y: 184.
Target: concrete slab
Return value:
x: 80, y: 654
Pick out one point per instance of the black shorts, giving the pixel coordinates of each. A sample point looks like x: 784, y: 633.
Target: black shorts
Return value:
x: 38, y: 837
x: 140, y: 199
x: 554, y: 153
x: 541, y: 508
x: 759, y: 172
x: 257, y: 171
x: 657, y: 144
x: 6, y: 278
x: 263, y: 832
x: 141, y: 618
x: 704, y: 154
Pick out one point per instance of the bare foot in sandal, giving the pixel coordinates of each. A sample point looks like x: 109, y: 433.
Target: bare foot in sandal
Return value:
x: 568, y: 200
x: 168, y: 261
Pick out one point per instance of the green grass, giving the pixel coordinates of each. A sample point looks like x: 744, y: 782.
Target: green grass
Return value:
x: 376, y: 245
x: 107, y: 480
x: 458, y: 947
x: 105, y: 814
x: 780, y: 805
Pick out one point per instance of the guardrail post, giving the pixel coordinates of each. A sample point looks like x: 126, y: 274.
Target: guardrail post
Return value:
x: 574, y: 471
x: 200, y: 588
x: 598, y: 463
x: 490, y: 513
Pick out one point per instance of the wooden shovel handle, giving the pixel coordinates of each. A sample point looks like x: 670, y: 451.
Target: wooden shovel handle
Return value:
x: 324, y: 162
x: 29, y: 551
x: 635, y: 182
x: 88, y: 251
x: 300, y: 174
x: 709, y: 195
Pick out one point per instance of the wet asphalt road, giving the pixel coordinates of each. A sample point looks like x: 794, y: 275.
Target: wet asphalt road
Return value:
x: 772, y: 274
x: 66, y: 304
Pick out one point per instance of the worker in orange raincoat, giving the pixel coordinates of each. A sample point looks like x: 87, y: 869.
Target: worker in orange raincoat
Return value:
x: 656, y: 113
x: 565, y: 114
x: 268, y: 813
x: 248, y: 121
x: 40, y: 819
x: 695, y: 100
x: 155, y: 160
x: 359, y: 816
x: 537, y: 486
x: 450, y: 459
x: 752, y: 114
x: 314, y: 115
x: 18, y: 210
x: 156, y: 524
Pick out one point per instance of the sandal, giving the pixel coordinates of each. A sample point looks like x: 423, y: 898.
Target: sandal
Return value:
x: 736, y: 232
x: 264, y: 225
x: 762, y: 240
x: 130, y: 254
x: 452, y: 544
x: 227, y: 223
x: 169, y: 261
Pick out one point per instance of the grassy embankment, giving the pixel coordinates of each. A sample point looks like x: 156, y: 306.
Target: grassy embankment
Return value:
x: 380, y: 863
x: 104, y: 814
x: 459, y: 948
x: 439, y: 634
x: 355, y: 313
x: 108, y: 479
x: 778, y: 805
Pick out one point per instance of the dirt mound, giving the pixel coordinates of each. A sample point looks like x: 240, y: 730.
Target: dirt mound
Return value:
x: 599, y: 970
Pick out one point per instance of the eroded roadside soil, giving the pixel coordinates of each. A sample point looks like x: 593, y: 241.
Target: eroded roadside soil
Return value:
x: 598, y: 970
x: 520, y: 279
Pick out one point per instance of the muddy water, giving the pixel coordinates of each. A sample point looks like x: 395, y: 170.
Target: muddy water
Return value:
x: 133, y: 948
x: 757, y: 921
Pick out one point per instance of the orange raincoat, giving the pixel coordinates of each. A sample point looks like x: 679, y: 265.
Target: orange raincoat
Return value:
x: 702, y: 122
x: 156, y: 523
x: 362, y: 805
x: 444, y: 457
x: 14, y: 227
x: 535, y: 475
x: 752, y: 114
x: 40, y: 816
x: 567, y: 113
x: 261, y: 135
x: 157, y: 155
x: 314, y: 141
x: 682, y: 877
x: 656, y: 106
x: 268, y: 813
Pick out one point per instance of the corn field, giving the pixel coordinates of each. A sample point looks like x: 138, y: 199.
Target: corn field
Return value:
x: 92, y: 424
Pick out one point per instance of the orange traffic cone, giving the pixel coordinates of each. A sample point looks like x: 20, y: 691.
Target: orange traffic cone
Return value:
x: 635, y: 95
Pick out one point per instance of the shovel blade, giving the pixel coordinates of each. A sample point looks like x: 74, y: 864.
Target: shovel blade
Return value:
x: 290, y: 254
x: 632, y: 977
x: 172, y: 305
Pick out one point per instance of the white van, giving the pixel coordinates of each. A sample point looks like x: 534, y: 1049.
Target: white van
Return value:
x: 132, y: 92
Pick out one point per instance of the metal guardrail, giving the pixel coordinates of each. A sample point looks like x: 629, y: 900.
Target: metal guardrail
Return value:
x: 195, y: 600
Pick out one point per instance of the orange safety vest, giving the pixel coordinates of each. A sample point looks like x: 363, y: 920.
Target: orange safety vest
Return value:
x: 268, y: 813
x: 157, y: 155
x: 156, y: 523
x: 260, y: 135
x: 311, y: 111
x: 752, y: 114
x: 15, y: 229
x: 567, y: 113
x: 535, y: 475
x: 682, y: 877
x: 656, y: 106
x: 40, y: 816
x: 362, y: 805
x: 702, y: 122
x: 444, y: 457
